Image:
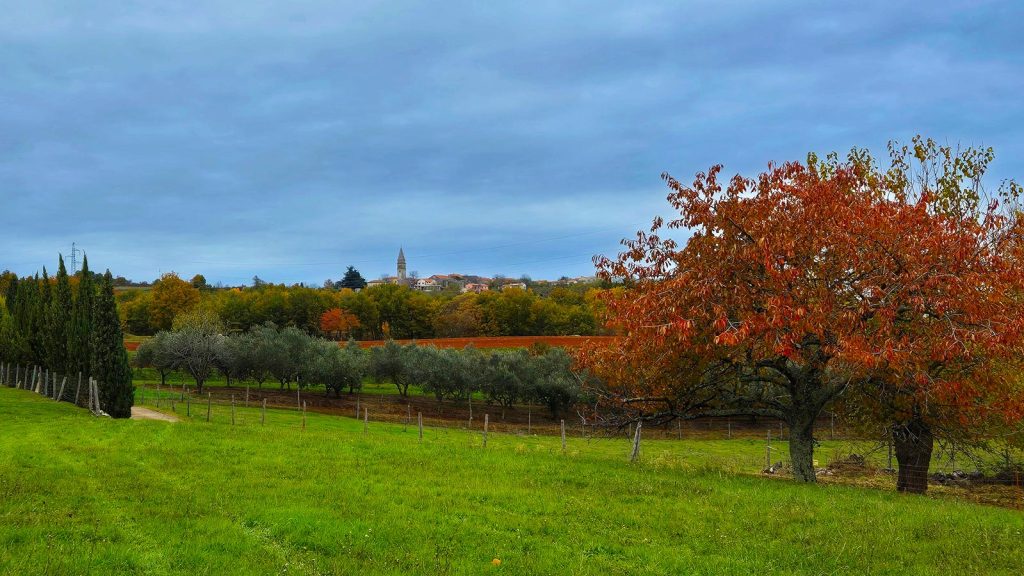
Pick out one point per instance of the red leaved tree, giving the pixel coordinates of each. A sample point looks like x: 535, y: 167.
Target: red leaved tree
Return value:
x: 801, y: 285
x: 338, y: 323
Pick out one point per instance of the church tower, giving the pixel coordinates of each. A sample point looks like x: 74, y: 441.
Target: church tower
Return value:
x: 401, y: 267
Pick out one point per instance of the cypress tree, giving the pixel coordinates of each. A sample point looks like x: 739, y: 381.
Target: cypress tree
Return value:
x: 59, y: 322
x: 37, y: 311
x: 109, y: 359
x: 80, y: 336
x: 11, y: 297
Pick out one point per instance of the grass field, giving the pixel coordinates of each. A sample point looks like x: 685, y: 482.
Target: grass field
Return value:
x: 80, y: 495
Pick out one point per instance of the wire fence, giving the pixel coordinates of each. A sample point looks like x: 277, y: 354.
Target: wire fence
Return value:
x: 78, y: 390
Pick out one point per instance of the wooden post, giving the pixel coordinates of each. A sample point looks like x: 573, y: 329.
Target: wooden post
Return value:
x: 232, y: 409
x: 781, y: 435
x: 246, y: 395
x: 832, y: 430
x: 263, y: 414
x: 636, y: 443
x: 188, y: 406
x: 408, y: 417
x: 357, y: 407
x: 679, y: 429
x: 529, y: 420
x: 768, y: 451
x: 486, y: 420
x: 471, y: 408
x: 157, y: 394
x: 419, y: 417
x: 298, y: 396
x: 63, y: 383
x: 563, y: 436
x: 172, y: 405
x: 209, y: 405
x: 366, y: 420
x: 17, y: 376
x: 730, y: 429
x: 303, y: 415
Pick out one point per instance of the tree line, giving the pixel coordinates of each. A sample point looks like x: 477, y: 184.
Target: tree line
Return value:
x: 198, y: 346
x: 69, y: 325
x: 374, y: 313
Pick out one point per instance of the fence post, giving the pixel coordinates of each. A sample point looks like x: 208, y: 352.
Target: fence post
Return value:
x: 832, y: 430
x: 209, y: 404
x: 79, y: 388
x: 529, y: 421
x: 172, y: 405
x: 357, y: 407
x: 263, y: 414
x: 366, y: 420
x: 63, y: 383
x: 298, y: 397
x: 679, y: 429
x: 486, y: 420
x: 563, y: 436
x: 17, y: 376
x: 246, y: 395
x: 157, y: 394
x: 730, y: 429
x: 188, y: 406
x: 636, y: 443
x: 419, y: 417
x: 303, y: 415
x: 408, y: 417
x: 768, y: 451
x: 233, y: 410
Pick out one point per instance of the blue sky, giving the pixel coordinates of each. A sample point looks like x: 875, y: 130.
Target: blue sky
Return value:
x: 290, y: 139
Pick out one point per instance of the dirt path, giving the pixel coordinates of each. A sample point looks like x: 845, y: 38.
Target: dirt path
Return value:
x: 139, y: 413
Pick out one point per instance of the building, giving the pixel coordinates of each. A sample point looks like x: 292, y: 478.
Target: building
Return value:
x: 401, y: 278
x: 472, y: 287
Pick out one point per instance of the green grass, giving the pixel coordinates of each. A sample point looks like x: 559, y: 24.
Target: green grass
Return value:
x: 82, y: 495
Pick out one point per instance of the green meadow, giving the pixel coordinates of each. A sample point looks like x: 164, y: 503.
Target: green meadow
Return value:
x: 84, y: 495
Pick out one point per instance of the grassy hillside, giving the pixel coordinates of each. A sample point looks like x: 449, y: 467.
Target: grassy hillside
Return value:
x: 84, y: 495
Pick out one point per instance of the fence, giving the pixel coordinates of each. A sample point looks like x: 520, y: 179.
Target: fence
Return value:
x: 82, y: 392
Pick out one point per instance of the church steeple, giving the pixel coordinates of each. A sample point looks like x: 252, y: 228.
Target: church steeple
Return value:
x: 401, y: 266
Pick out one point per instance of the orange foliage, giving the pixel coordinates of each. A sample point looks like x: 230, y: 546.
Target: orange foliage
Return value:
x: 338, y: 322
x: 910, y: 289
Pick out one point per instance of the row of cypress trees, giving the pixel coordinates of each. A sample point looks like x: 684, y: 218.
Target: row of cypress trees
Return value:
x: 48, y: 322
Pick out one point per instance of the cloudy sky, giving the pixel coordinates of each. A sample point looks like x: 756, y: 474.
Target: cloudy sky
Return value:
x: 290, y: 139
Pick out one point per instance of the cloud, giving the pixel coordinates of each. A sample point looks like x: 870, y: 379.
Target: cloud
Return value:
x: 291, y: 139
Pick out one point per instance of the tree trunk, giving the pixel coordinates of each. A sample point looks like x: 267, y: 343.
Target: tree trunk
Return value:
x: 801, y: 450
x: 912, y: 442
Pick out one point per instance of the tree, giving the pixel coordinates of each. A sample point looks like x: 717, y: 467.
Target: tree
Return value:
x: 338, y: 368
x: 194, y: 349
x: 352, y: 280
x: 338, y: 323
x: 156, y: 353
x: 782, y: 298
x: 199, y: 282
x: 59, y: 323
x: 80, y: 334
x: 388, y: 363
x: 109, y: 359
x: 171, y: 296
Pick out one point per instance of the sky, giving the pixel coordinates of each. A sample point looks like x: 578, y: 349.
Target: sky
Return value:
x: 291, y: 139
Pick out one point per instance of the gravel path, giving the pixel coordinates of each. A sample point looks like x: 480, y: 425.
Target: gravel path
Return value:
x: 147, y: 414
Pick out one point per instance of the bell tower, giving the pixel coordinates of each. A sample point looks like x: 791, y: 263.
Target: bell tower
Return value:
x: 401, y: 267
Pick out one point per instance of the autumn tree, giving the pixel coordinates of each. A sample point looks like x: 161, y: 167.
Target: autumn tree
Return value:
x: 338, y: 323
x: 781, y: 299
x: 171, y: 296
